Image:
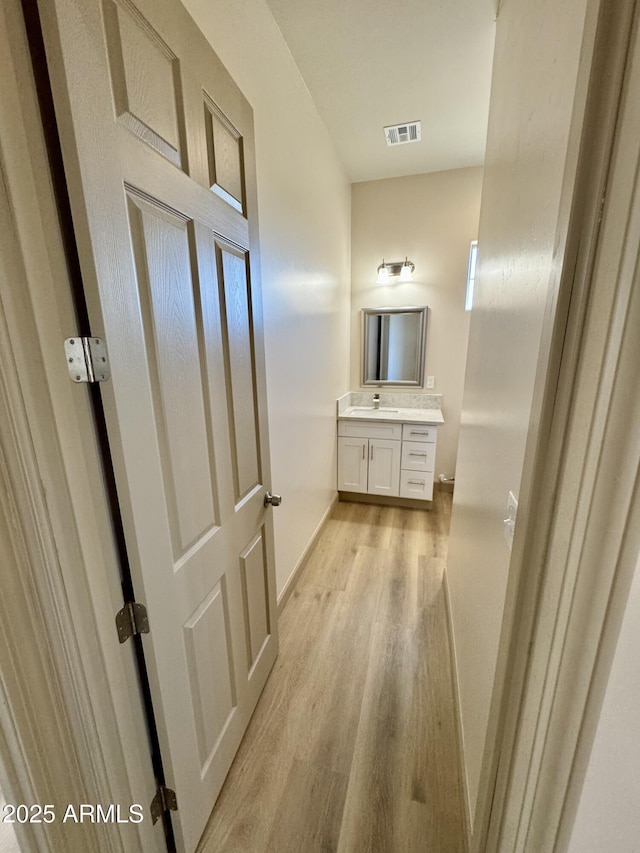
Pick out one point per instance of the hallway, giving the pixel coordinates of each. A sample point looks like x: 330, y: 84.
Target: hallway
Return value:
x: 353, y: 744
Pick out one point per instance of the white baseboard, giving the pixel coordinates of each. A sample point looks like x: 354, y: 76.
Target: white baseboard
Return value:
x: 456, y: 700
x: 295, y: 574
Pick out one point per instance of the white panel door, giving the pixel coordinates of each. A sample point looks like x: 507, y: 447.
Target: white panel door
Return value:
x: 352, y: 464
x: 384, y: 467
x: 158, y: 148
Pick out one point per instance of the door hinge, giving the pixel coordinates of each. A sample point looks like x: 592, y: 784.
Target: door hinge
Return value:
x: 132, y: 619
x: 87, y: 359
x: 164, y: 801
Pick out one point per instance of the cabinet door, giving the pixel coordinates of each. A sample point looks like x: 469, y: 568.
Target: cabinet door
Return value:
x: 384, y: 467
x: 352, y: 464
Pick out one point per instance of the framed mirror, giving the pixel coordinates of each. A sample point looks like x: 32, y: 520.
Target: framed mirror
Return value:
x: 394, y: 345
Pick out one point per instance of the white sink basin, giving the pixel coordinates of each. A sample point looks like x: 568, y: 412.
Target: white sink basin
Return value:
x: 371, y: 409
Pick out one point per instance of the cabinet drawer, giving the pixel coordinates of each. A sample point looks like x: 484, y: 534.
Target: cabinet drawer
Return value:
x: 417, y: 432
x: 417, y: 456
x: 367, y: 429
x: 416, y: 485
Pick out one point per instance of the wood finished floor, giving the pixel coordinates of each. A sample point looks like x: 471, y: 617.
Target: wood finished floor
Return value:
x: 352, y: 747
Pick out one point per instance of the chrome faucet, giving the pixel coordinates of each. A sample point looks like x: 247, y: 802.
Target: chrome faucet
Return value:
x: 376, y: 401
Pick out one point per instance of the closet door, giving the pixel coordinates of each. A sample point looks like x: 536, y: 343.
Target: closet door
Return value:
x: 159, y: 157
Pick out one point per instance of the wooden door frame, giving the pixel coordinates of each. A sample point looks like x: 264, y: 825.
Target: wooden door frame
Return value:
x: 54, y: 517
x: 565, y: 599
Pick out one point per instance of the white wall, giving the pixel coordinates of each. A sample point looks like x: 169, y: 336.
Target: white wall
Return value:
x: 304, y: 207
x: 432, y: 219
x: 535, y: 70
x: 608, y: 816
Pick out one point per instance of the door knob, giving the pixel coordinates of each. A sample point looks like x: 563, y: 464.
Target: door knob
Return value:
x: 274, y: 500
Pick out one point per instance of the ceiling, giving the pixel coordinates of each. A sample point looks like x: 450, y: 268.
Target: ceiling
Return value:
x: 371, y: 63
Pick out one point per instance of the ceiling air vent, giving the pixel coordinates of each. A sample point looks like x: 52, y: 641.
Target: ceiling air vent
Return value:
x: 401, y: 134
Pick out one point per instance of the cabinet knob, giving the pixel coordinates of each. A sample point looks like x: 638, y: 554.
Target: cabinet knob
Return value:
x: 274, y: 500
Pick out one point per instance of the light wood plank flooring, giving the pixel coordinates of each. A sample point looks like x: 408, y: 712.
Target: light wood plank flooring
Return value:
x: 352, y: 747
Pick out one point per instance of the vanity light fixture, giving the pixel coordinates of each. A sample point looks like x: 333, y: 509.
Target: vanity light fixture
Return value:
x: 403, y: 269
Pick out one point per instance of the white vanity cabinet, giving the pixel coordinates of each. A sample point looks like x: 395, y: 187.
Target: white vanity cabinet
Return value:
x: 386, y: 458
x: 369, y: 457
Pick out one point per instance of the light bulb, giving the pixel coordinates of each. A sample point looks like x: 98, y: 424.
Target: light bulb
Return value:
x: 383, y: 274
x: 406, y: 273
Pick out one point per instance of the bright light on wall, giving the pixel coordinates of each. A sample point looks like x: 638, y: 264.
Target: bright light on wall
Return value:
x: 387, y: 269
x: 471, y: 275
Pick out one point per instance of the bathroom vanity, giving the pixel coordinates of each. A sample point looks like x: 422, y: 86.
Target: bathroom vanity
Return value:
x: 388, y: 450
